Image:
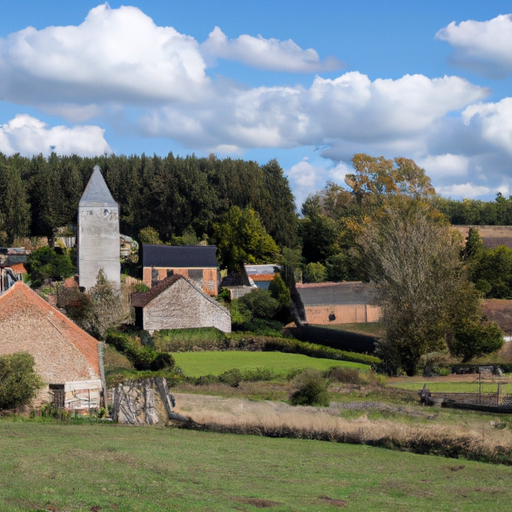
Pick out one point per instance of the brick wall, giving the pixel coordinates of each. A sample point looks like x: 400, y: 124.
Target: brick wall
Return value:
x: 347, y: 314
x: 208, y: 283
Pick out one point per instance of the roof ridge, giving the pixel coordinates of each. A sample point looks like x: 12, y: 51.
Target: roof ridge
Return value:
x: 38, y: 301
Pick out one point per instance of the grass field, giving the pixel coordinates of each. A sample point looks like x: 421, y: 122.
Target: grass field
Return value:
x: 453, y: 387
x: 64, y: 468
x: 196, y: 364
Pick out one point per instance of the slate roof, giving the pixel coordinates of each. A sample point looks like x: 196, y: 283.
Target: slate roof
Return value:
x: 334, y: 294
x: 180, y: 256
x: 21, y: 299
x: 141, y: 299
x: 96, y: 192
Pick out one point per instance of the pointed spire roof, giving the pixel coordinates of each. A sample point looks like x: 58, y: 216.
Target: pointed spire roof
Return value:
x: 97, y: 193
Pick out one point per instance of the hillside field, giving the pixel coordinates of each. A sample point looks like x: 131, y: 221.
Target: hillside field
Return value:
x: 196, y: 364
x: 67, y: 468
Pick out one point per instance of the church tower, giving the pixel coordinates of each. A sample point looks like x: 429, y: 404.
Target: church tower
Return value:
x: 98, y: 233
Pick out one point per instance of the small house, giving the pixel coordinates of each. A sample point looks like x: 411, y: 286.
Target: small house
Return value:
x: 178, y: 303
x: 195, y: 262
x: 66, y: 357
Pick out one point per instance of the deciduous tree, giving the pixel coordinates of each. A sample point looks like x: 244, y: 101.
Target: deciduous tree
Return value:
x: 412, y: 257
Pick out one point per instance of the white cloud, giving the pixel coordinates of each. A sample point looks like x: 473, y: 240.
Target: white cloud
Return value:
x: 306, y: 178
x: 267, y: 54
x: 468, y: 190
x: 349, y: 110
x: 483, y: 46
x: 30, y: 136
x: 115, y: 55
x: 440, y: 166
x: 494, y: 122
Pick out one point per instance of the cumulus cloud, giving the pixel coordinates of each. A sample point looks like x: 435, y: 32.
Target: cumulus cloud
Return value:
x: 482, y: 46
x: 29, y: 136
x: 463, y: 190
x: 348, y: 110
x: 115, y: 55
x: 494, y: 122
x: 267, y: 54
x: 439, y: 166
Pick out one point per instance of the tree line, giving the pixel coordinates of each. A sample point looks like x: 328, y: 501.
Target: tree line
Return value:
x: 173, y: 195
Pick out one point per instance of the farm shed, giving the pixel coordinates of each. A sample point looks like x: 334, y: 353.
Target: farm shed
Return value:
x: 178, y: 303
x: 337, y: 303
x: 66, y: 357
x: 196, y: 262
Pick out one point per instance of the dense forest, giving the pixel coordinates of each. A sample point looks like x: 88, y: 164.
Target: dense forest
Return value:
x: 173, y: 195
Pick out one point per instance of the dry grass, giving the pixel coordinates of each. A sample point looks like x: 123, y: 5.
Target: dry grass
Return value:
x: 483, y: 442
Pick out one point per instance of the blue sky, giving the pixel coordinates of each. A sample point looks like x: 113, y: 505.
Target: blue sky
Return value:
x: 307, y: 83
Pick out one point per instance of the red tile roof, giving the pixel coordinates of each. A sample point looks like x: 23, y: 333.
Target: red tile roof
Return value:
x: 20, y: 298
x: 18, y: 268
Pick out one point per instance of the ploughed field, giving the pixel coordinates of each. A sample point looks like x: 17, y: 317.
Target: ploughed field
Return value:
x: 68, y: 467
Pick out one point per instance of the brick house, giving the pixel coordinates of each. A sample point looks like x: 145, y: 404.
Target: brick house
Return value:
x: 66, y: 357
x: 178, y: 303
x: 196, y: 262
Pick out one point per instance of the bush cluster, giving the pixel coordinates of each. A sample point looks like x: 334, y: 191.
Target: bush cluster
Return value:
x: 18, y: 380
x: 142, y: 356
x: 310, y: 389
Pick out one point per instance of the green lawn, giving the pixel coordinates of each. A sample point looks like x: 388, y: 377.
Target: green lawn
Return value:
x: 196, y: 364
x: 453, y: 387
x: 69, y: 468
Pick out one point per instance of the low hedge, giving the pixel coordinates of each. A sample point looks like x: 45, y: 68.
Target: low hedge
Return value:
x: 143, y: 357
x: 191, y: 340
x: 293, y: 346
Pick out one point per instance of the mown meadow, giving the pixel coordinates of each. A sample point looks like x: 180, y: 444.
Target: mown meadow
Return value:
x: 66, y: 467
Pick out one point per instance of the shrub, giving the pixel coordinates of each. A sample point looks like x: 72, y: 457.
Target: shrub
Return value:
x: 140, y: 288
x: 18, y: 380
x: 162, y: 361
x: 231, y: 377
x: 311, y: 389
x: 345, y: 375
x: 143, y: 357
x: 47, y: 263
x: 279, y: 291
x: 260, y: 303
x: 315, y: 273
x: 262, y: 327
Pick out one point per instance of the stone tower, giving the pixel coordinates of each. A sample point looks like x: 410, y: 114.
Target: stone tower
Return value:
x: 98, y: 233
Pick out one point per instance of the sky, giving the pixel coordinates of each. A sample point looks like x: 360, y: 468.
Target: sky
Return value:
x: 307, y: 83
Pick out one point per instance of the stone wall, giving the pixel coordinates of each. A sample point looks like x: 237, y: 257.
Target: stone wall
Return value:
x: 98, y: 244
x: 347, y: 314
x: 182, y: 306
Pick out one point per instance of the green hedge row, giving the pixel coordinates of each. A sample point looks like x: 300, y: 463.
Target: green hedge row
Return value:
x: 189, y: 340
x: 293, y: 346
